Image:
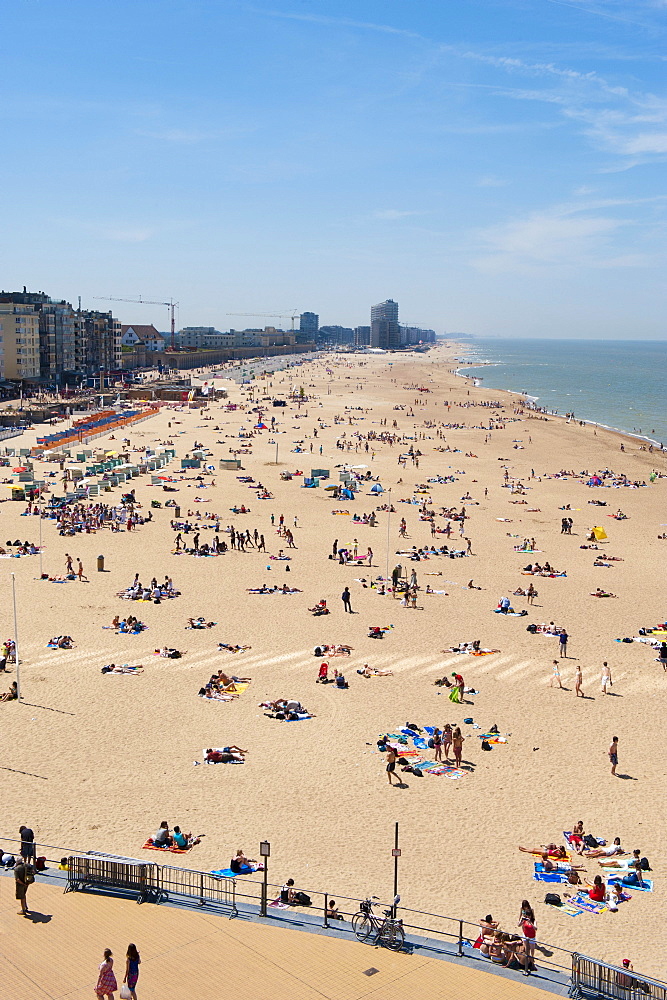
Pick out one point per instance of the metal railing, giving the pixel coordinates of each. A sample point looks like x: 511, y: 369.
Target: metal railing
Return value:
x: 435, y: 932
x: 592, y: 980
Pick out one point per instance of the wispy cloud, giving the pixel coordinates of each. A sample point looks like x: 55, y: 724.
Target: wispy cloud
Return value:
x: 569, y: 235
x: 343, y: 22
x: 630, y: 124
x: 491, y: 181
x: 394, y: 213
x: 186, y: 137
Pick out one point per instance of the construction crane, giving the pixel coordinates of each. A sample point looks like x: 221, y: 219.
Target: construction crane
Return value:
x: 292, y: 316
x: 171, y: 305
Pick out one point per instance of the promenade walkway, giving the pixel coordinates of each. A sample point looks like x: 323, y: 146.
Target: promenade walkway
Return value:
x: 54, y: 955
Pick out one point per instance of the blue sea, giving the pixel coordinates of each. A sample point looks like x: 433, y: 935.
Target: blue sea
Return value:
x: 618, y: 383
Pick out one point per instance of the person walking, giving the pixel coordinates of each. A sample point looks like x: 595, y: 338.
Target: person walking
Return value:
x: 605, y: 678
x: 613, y: 754
x: 345, y: 598
x: 27, y: 844
x: 662, y: 655
x: 79, y: 571
x: 23, y: 877
x: 562, y: 643
x: 392, y: 757
x: 106, y: 980
x: 578, y: 679
x: 132, y: 963
x: 555, y: 675
x: 69, y: 568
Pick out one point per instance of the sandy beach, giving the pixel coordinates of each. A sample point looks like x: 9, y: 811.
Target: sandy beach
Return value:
x: 95, y: 761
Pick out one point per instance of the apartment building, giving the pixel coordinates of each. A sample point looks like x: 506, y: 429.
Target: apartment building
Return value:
x: 19, y: 331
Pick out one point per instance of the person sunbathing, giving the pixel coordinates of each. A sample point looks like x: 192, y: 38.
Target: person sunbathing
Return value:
x: 224, y: 756
x: 374, y: 672
x: 184, y: 841
x: 552, y: 851
x: 12, y: 694
x: 226, y: 684
x: 241, y: 865
x: 602, y: 593
x: 605, y: 852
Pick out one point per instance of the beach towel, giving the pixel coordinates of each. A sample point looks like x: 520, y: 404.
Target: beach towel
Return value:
x: 447, y: 770
x: 646, y: 887
x: 280, y: 905
x: 549, y: 877
x: 228, y: 873
x: 173, y: 850
x: 569, y: 909
x: 588, y: 904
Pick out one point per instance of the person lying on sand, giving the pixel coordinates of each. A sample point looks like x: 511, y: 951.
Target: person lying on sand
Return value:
x: 374, y: 672
x: 552, y: 850
x: 199, y: 623
x: 602, y: 593
x: 605, y: 852
x: 227, y: 755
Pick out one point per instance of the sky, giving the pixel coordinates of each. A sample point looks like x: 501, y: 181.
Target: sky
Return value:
x: 495, y: 167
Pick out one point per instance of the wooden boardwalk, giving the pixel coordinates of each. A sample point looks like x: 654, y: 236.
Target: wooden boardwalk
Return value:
x: 55, y: 954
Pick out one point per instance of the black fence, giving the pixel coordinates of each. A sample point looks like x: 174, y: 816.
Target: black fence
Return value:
x: 593, y: 980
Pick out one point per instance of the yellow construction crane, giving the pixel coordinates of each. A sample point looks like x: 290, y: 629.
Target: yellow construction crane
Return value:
x: 171, y: 305
x: 292, y: 316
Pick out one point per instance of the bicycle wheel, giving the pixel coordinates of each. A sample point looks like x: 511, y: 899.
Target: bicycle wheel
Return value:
x: 393, y: 937
x: 362, y: 925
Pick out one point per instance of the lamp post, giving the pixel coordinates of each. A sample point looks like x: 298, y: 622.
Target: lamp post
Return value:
x: 264, y: 852
x: 16, y: 641
x: 396, y: 853
x: 41, y: 570
x: 388, y: 527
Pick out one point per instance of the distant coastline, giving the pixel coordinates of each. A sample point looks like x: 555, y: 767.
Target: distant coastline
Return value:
x: 603, y: 392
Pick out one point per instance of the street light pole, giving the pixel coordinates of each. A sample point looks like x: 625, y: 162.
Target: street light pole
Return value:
x: 396, y: 853
x: 40, y: 539
x: 16, y: 642
x: 264, y: 852
x: 388, y: 527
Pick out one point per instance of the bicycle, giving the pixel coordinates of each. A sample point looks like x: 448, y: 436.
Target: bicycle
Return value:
x: 388, y: 931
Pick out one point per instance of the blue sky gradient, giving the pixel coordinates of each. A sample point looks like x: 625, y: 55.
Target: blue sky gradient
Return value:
x: 495, y: 167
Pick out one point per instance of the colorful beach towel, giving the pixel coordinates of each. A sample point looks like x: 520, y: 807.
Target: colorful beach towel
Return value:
x: 148, y: 846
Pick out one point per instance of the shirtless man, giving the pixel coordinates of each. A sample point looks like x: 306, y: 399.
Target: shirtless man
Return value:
x: 392, y: 757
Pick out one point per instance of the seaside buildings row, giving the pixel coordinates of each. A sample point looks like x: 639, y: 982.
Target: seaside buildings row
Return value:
x: 48, y: 341
x: 384, y: 332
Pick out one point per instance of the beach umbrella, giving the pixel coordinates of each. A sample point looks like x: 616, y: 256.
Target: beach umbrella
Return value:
x: 599, y: 533
x: 20, y: 468
x: 330, y: 488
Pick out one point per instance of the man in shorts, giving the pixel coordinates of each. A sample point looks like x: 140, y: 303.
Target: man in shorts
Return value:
x: 392, y: 757
x: 613, y: 754
x: 21, y: 874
